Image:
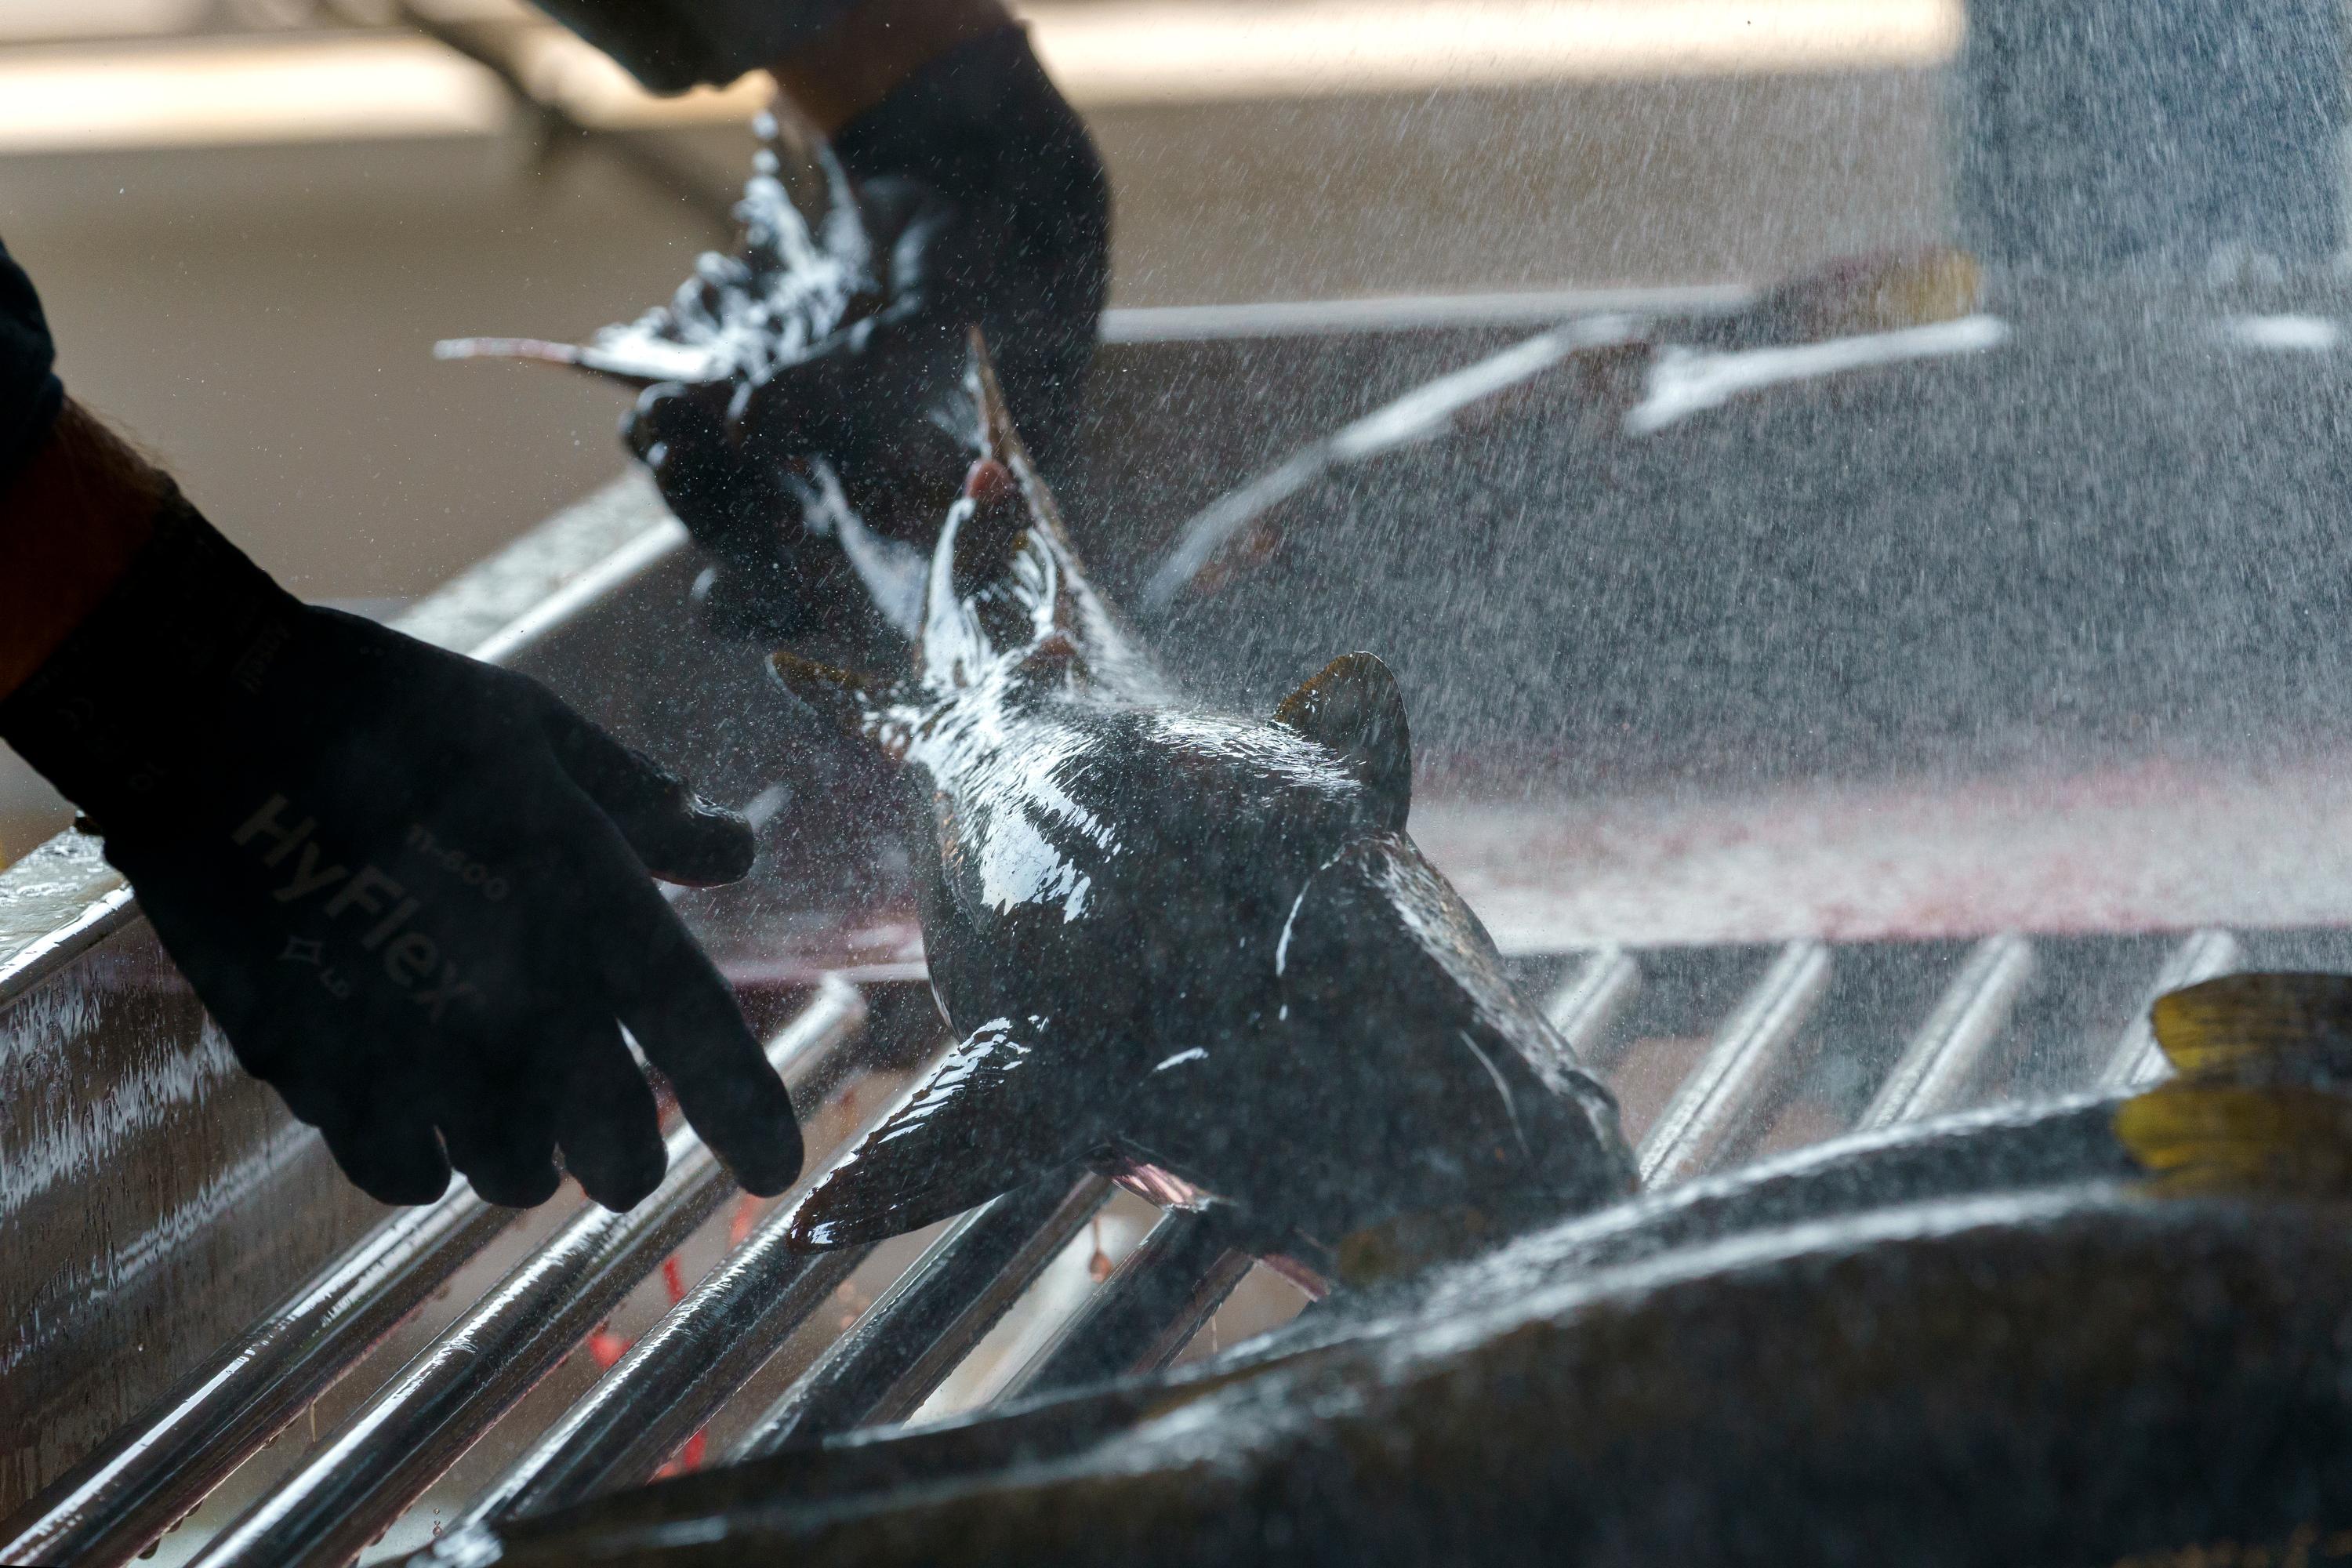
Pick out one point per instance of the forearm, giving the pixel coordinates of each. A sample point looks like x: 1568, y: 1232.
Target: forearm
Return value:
x: 673, y: 44
x: 72, y: 518
x: 837, y: 73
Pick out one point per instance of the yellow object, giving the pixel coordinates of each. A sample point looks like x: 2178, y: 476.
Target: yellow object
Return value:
x: 2254, y: 1106
x: 2296, y: 1025
x: 2201, y: 1138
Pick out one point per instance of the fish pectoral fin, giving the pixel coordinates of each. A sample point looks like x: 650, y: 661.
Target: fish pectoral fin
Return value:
x: 1352, y: 705
x: 2276, y: 1025
x: 1461, y: 1080
x: 995, y: 1113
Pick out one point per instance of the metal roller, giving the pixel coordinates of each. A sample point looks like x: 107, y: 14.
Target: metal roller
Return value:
x: 2137, y: 1060
x: 114, y: 1504
x: 1744, y: 1072
x: 362, y: 1476
x: 1593, y: 996
x: 1151, y: 1307
x: 674, y: 1379
x: 1947, y: 1053
x: 913, y: 1336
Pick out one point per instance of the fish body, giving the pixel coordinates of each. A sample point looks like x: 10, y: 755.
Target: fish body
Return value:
x: 2004, y: 1148
x: 1186, y: 939
x: 2065, y: 1374
x: 1975, y: 1154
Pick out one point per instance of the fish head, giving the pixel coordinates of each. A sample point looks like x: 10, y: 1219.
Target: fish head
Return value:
x: 1007, y: 595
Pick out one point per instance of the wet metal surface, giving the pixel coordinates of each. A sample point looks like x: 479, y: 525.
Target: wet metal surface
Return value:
x: 889, y: 1361
x: 673, y: 1380
x: 360, y: 1479
x: 153, y: 1203
x: 1584, y: 1005
x: 145, y: 1478
x: 2201, y: 955
x: 1945, y: 1058
x: 1746, y: 1069
x: 1148, y: 1309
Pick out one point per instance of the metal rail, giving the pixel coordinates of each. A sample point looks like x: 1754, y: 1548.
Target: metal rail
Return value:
x: 1744, y: 1072
x: 2137, y: 1060
x: 367, y: 1472
x: 1592, y: 999
x: 676, y: 1377
x: 114, y: 1504
x: 905, y: 1345
x: 1948, y: 1055
x: 1149, y: 1309
x: 928, y: 1321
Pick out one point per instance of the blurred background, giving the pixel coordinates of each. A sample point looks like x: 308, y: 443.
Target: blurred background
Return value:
x: 250, y: 219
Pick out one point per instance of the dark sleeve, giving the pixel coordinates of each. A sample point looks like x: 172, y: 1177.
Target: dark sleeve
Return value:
x: 673, y: 44
x: 30, y: 392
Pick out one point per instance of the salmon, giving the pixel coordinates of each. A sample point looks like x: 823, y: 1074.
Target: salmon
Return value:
x: 1191, y: 941
x: 2066, y: 1376
x: 2146, y: 1360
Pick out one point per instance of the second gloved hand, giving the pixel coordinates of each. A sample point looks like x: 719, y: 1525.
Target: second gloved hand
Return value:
x: 981, y: 202
x: 410, y: 887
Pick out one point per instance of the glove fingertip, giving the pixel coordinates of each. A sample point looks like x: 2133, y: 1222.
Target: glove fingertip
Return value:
x: 760, y: 1143
x: 702, y: 846
x: 775, y: 1167
x: 408, y: 1190
x: 402, y: 1172
x: 620, y: 1179
x: 516, y: 1184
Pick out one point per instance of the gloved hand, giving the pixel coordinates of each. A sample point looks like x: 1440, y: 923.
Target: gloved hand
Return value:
x: 983, y: 202
x: 410, y: 887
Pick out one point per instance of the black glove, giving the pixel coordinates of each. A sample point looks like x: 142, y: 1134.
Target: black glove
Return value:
x: 410, y: 887
x: 984, y: 203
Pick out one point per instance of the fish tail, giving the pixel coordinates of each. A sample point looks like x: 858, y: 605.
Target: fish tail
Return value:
x: 855, y: 702
x: 2262, y: 1060
x: 2231, y: 1137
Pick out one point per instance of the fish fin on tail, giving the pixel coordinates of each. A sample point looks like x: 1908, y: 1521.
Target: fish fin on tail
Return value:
x: 998, y: 437
x: 997, y: 1112
x: 2283, y: 1027
x: 991, y: 530
x: 840, y: 697
x: 1352, y: 705
x: 2230, y: 1137
x: 1000, y: 441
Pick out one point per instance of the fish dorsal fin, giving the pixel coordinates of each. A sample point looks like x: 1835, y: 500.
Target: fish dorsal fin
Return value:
x: 1352, y: 705
x: 2289, y: 1026
x: 997, y: 1111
